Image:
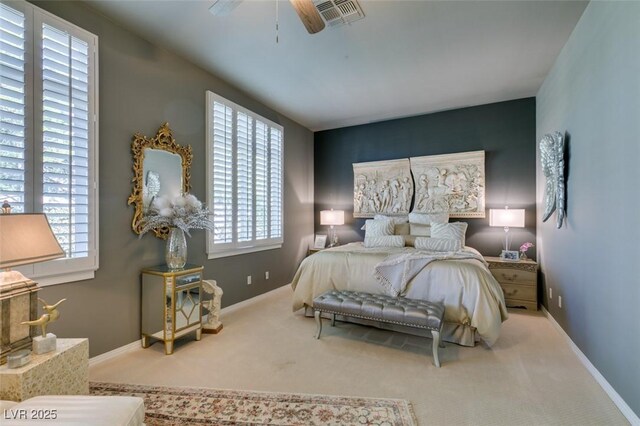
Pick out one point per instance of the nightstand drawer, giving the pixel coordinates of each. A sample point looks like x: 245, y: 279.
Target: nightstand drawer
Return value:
x: 516, y: 276
x: 522, y: 292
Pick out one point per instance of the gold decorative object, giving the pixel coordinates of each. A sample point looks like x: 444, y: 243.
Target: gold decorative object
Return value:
x: 163, y: 141
x: 51, y: 316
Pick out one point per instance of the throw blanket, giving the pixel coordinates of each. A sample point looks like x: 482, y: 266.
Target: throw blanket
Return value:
x: 395, y: 272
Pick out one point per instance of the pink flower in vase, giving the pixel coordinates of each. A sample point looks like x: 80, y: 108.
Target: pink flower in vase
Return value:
x: 526, y: 246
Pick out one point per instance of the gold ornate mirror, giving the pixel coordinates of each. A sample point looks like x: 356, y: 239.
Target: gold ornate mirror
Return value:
x: 160, y: 167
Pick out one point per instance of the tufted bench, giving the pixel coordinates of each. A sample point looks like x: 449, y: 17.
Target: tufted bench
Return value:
x: 386, y: 309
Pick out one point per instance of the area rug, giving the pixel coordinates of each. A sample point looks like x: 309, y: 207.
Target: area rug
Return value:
x: 201, y: 406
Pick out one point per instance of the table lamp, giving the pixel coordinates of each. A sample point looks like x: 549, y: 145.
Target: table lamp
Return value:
x: 25, y: 238
x: 332, y: 217
x: 507, y: 218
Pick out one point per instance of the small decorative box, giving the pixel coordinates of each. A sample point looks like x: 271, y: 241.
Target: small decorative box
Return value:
x: 19, y: 358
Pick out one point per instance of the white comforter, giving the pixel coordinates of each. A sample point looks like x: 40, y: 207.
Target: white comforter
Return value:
x: 470, y: 294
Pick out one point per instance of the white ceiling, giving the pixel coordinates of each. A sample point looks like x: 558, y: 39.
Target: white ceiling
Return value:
x: 404, y: 58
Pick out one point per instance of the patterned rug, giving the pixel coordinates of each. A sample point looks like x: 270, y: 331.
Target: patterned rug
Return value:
x: 201, y: 406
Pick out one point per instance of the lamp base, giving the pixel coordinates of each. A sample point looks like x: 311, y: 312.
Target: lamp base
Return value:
x: 19, y: 300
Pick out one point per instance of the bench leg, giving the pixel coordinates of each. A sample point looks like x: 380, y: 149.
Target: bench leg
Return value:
x: 316, y: 314
x: 333, y: 320
x: 436, y: 344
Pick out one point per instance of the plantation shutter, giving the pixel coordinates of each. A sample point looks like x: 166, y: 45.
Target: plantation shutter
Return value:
x: 65, y: 129
x: 275, y: 140
x: 244, y: 189
x: 13, y: 124
x: 48, y: 134
x: 221, y: 158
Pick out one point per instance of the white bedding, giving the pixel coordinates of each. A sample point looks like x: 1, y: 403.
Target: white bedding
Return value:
x: 472, y: 297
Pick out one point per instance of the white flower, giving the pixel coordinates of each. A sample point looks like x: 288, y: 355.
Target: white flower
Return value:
x: 166, y: 212
x: 193, y: 202
x: 161, y: 202
x: 179, y: 201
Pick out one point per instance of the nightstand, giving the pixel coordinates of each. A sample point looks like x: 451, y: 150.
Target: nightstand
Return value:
x: 518, y: 279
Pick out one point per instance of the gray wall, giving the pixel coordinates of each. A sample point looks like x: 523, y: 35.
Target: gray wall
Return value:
x: 593, y: 94
x: 505, y: 130
x: 141, y: 86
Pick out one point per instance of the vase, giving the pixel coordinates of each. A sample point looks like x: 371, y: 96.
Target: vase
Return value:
x: 176, y: 250
x: 523, y: 256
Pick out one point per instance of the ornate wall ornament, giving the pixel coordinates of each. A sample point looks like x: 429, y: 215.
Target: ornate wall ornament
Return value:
x: 552, y: 159
x: 382, y: 187
x: 451, y: 183
x: 163, y: 141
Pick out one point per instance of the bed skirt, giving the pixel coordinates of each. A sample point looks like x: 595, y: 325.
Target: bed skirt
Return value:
x: 460, y: 334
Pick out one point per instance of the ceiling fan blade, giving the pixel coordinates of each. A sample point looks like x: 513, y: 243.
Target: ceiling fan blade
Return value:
x: 309, y: 15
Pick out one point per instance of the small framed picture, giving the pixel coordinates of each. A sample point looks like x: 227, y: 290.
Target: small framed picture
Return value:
x: 321, y: 241
x: 510, y: 255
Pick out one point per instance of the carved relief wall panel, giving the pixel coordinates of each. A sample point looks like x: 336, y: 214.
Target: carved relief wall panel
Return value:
x: 451, y: 183
x: 382, y: 187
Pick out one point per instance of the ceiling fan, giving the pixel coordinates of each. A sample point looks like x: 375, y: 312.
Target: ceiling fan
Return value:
x: 313, y: 14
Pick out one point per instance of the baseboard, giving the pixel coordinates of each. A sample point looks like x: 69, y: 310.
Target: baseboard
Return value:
x: 113, y: 353
x: 244, y: 303
x: 615, y: 396
x: 137, y: 345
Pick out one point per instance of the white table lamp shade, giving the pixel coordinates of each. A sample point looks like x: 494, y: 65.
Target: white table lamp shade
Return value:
x: 508, y: 218
x: 26, y: 238
x: 332, y: 217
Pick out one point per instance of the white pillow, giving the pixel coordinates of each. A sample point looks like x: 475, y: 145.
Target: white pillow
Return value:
x: 451, y: 231
x: 378, y: 228
x: 427, y: 218
x: 437, y: 244
x: 384, y: 241
x: 419, y: 230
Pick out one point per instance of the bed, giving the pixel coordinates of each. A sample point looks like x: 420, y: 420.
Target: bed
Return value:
x: 473, y: 299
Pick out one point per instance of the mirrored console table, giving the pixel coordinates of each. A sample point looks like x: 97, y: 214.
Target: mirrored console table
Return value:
x: 171, y: 304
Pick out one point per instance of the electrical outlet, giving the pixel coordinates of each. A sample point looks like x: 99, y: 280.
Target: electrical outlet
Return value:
x: 559, y: 301
x: 266, y: 275
x: 248, y: 279
x: 550, y: 293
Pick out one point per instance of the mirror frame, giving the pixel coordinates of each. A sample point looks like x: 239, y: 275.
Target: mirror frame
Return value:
x: 164, y: 141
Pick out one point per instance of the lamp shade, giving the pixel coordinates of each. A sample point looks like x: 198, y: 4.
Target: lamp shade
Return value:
x: 332, y: 217
x: 27, y: 238
x: 510, y: 218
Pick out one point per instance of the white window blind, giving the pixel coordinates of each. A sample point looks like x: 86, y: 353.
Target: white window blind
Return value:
x: 244, y: 185
x: 48, y: 161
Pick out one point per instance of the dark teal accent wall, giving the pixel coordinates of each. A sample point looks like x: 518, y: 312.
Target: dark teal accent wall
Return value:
x: 506, y: 131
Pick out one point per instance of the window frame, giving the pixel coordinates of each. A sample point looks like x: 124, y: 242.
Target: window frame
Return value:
x: 66, y: 269
x: 219, y: 250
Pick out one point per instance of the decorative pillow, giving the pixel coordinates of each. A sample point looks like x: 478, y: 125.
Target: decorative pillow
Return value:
x: 427, y: 218
x: 420, y: 230
x: 384, y: 241
x: 452, y: 231
x: 397, y: 220
x: 378, y: 228
x: 437, y: 244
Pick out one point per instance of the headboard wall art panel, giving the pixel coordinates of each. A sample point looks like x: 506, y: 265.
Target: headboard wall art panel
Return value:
x: 382, y: 187
x: 451, y: 183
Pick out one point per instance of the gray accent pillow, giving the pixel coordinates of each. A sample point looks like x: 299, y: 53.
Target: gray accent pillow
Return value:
x: 437, y: 244
x: 384, y: 241
x: 451, y: 231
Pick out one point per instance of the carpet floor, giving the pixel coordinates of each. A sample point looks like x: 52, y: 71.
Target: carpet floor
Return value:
x: 529, y: 377
x: 169, y: 406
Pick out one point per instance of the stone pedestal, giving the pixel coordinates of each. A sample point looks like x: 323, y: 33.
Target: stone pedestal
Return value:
x: 64, y: 371
x: 42, y: 345
x: 211, y: 323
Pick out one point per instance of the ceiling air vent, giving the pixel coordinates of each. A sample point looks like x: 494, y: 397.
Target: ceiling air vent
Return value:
x: 339, y: 12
